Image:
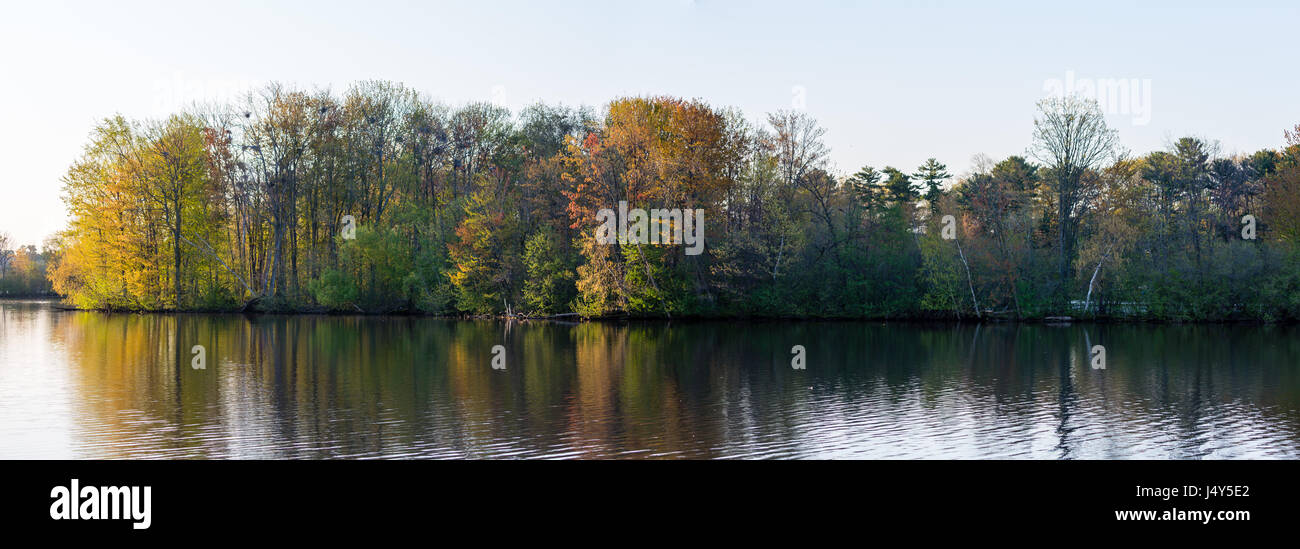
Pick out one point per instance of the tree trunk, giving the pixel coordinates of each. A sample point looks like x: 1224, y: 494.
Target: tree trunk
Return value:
x: 176, y: 251
x: 969, y: 283
x: 1088, y: 299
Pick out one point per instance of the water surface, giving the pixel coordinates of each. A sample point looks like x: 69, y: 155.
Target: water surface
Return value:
x: 96, y: 385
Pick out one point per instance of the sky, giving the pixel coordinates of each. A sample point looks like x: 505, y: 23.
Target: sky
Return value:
x: 893, y: 83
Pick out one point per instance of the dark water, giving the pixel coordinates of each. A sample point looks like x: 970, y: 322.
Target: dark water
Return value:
x: 92, y: 385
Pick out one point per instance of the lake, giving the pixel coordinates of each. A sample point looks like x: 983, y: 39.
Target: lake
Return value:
x: 98, y: 385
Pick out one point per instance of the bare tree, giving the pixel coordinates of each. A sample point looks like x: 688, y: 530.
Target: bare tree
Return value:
x: 799, y: 145
x: 1071, y: 137
x: 797, y: 141
x: 6, y: 254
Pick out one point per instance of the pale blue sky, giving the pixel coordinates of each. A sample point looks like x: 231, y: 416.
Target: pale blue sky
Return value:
x: 893, y: 82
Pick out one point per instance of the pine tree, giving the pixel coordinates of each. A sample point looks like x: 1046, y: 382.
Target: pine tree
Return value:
x: 932, y: 174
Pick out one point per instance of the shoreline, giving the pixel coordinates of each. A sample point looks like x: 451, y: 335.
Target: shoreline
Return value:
x: 575, y: 318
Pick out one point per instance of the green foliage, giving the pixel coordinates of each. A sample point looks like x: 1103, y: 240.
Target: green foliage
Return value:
x: 23, y: 270
x: 335, y: 290
x: 485, y: 258
x: 655, y: 286
x: 932, y: 174
x: 380, y: 200
x: 375, y: 268
x: 941, y: 274
x: 549, y: 286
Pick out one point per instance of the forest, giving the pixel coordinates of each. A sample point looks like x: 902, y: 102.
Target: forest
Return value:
x: 22, y: 269
x: 381, y: 200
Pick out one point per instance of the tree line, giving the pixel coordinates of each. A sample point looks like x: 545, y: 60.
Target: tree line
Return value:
x: 22, y: 269
x: 381, y: 200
